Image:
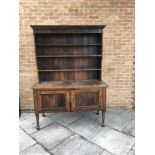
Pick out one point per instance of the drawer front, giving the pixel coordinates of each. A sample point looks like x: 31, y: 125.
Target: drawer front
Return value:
x: 54, y: 100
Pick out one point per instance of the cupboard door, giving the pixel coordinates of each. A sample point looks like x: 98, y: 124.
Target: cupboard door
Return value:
x: 88, y: 99
x: 54, y: 100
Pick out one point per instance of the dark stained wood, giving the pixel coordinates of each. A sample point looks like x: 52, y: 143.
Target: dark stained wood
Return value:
x: 68, y: 70
x: 65, y: 63
x: 86, y: 98
x: 68, y: 103
x: 87, y: 108
x: 72, y: 101
x: 62, y: 45
x: 36, y: 107
x: 63, y: 56
x: 37, y: 120
x: 71, y: 84
x: 104, y: 99
x: 100, y: 98
x: 103, y: 117
x: 19, y: 108
x: 44, y: 29
x: 73, y: 75
x: 35, y: 99
x: 68, y: 52
x: 103, y: 105
x: 69, y: 63
x: 54, y: 109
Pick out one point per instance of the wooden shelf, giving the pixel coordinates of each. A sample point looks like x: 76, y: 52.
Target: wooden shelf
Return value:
x: 61, y: 45
x: 69, y: 54
x: 69, y: 84
x: 54, y: 56
x: 68, y: 33
x: 68, y: 70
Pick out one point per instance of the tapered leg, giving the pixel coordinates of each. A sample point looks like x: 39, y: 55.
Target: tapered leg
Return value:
x: 103, y: 118
x: 37, y: 120
x: 43, y: 114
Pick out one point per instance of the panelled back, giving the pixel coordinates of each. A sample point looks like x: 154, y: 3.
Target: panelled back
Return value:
x: 74, y: 54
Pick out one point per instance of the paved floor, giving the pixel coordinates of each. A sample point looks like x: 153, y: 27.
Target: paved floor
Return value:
x: 78, y: 134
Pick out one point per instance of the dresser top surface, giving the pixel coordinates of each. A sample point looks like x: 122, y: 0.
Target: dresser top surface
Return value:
x: 69, y: 84
x: 66, y: 26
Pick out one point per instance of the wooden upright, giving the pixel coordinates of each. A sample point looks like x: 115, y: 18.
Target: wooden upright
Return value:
x: 69, y: 61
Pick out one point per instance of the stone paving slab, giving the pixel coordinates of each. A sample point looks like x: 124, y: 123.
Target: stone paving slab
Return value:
x: 130, y: 128
x: 27, y: 115
x: 35, y: 150
x: 132, y: 152
x: 25, y: 140
x: 118, y: 123
x: 110, y: 115
x: 94, y: 117
x: 66, y: 118
x: 52, y: 135
x: 85, y: 127
x: 113, y: 141
x: 49, y: 114
x: 129, y: 114
x: 76, y: 145
x: 106, y: 153
x: 29, y: 122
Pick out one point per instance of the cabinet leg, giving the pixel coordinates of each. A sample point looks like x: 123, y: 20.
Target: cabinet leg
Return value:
x: 103, y: 118
x: 97, y: 113
x: 37, y: 120
x: 43, y: 114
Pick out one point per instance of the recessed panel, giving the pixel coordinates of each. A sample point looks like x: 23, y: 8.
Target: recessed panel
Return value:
x: 69, y: 63
x: 86, y: 99
x: 69, y: 75
x: 68, y: 50
x: 53, y: 100
x: 62, y: 39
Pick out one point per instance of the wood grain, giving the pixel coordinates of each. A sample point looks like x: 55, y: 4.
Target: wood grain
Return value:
x: 69, y: 62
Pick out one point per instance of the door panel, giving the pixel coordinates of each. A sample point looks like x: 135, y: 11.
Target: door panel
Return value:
x: 54, y: 100
x: 86, y: 99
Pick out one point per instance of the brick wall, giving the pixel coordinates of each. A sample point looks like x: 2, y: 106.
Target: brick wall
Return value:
x: 118, y: 65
